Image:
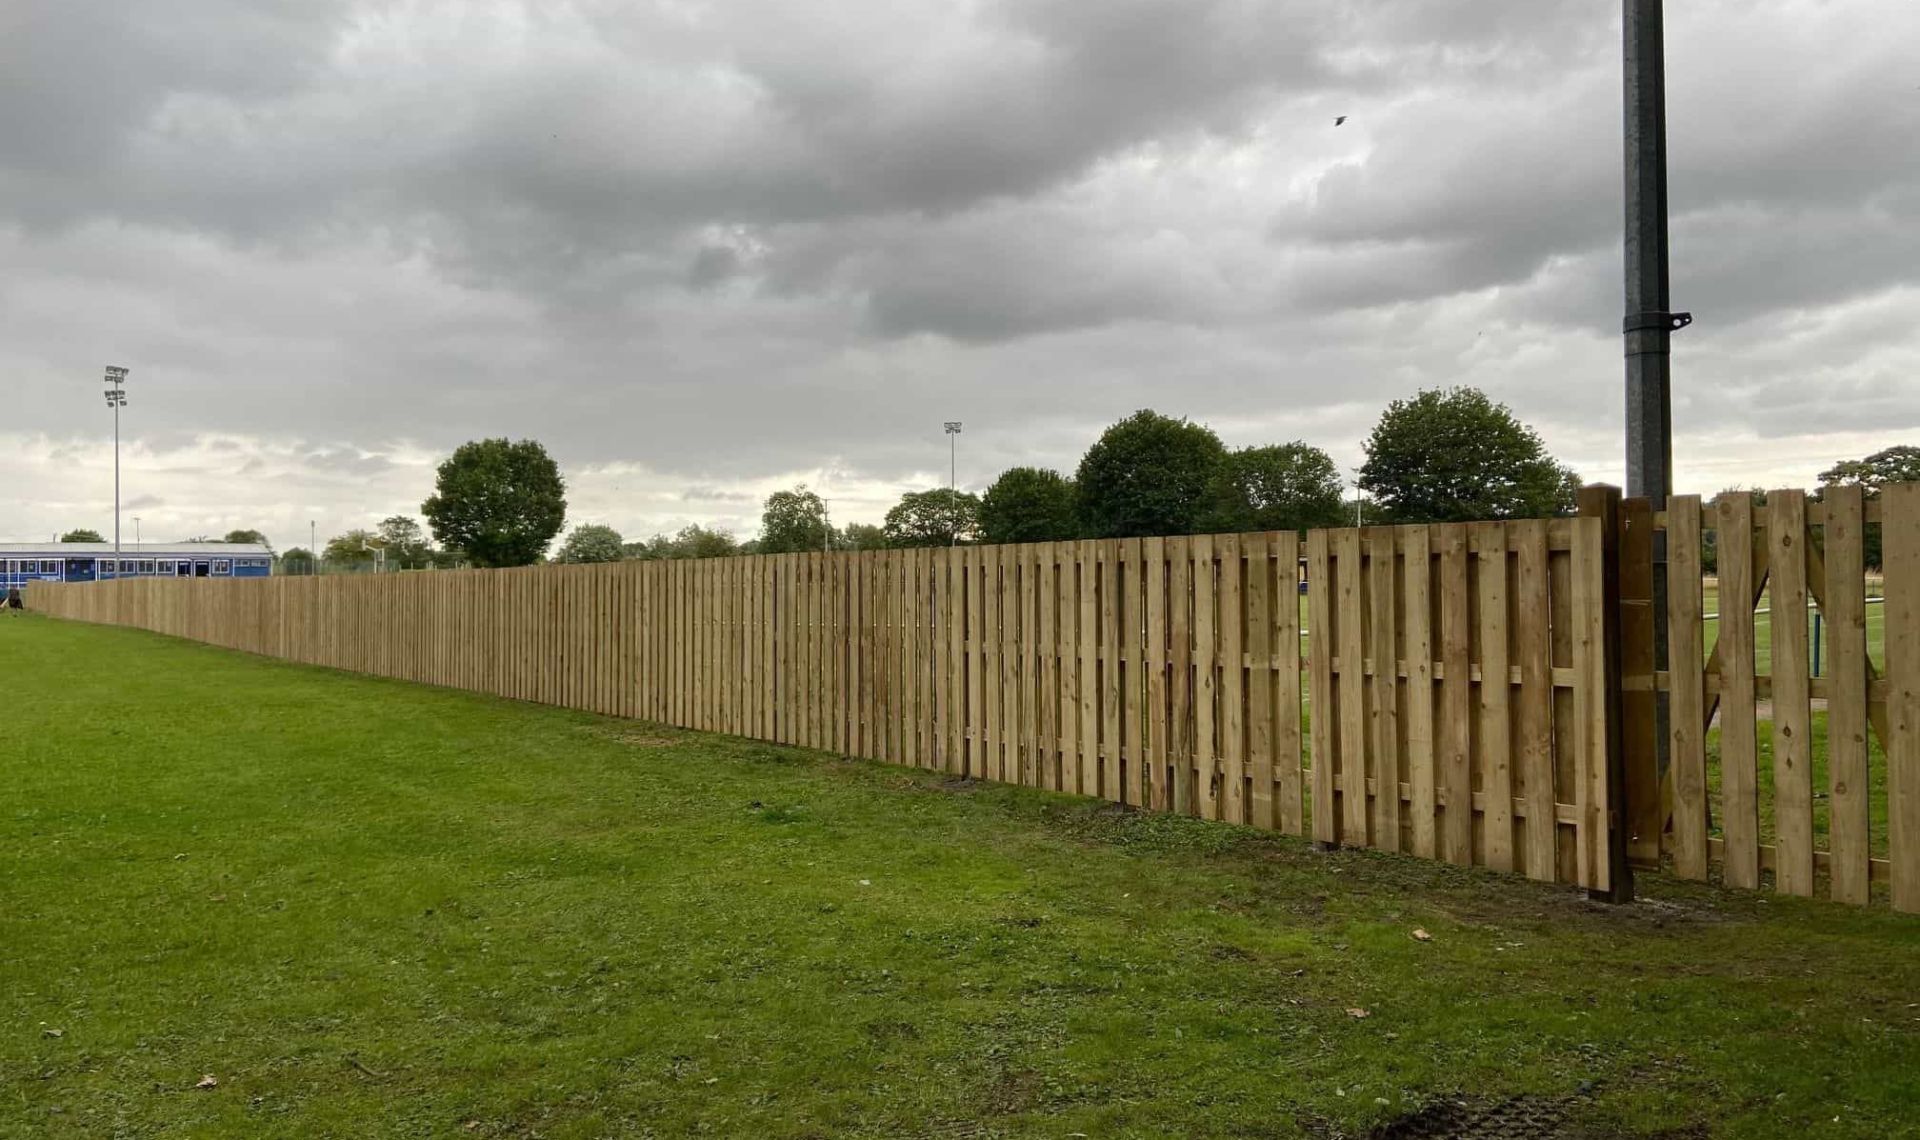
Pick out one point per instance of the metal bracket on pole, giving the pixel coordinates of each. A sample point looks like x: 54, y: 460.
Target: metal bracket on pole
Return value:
x: 1656, y: 322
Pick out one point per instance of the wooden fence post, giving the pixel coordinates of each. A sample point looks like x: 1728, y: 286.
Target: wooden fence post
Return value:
x: 1603, y: 502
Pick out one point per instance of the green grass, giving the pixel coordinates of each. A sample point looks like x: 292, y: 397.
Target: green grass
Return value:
x: 1822, y: 803
x: 1763, y: 631
x: 372, y: 909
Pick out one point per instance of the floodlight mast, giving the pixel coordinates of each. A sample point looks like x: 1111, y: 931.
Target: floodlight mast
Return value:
x: 953, y: 468
x: 116, y: 379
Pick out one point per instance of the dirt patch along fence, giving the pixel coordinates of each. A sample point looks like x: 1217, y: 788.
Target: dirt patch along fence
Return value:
x: 1490, y: 694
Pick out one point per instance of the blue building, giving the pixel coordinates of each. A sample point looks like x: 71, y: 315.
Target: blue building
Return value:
x: 24, y: 563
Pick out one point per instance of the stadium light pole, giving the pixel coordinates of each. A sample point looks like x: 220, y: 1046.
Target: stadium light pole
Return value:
x: 313, y: 547
x: 136, y: 534
x: 1649, y: 325
x: 953, y: 471
x: 116, y: 380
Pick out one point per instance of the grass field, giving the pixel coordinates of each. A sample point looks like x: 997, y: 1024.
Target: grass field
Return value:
x: 370, y: 909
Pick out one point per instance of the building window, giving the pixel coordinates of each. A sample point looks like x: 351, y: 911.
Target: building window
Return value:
x: 146, y: 565
x: 222, y: 566
x: 49, y: 566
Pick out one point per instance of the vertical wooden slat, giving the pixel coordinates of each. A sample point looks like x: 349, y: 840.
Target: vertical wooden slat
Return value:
x: 1067, y: 648
x: 1013, y: 668
x: 1849, y: 806
x: 1639, y: 723
x: 1900, y: 538
x: 1088, y: 638
x: 1496, y: 693
x: 1261, y: 668
x: 1286, y: 691
x: 976, y: 664
x: 957, y: 659
x: 1159, y: 790
x: 1233, y: 668
x: 1130, y: 750
x: 1351, y: 574
x: 1417, y: 645
x: 991, y: 664
x: 1180, y: 763
x: 1739, y: 753
x: 1593, y: 713
x: 1792, y: 693
x: 1533, y: 722
x: 1383, y: 712
x: 1455, y: 774
x: 1108, y: 552
x: 1321, y: 698
x: 1206, y: 668
x: 1686, y: 657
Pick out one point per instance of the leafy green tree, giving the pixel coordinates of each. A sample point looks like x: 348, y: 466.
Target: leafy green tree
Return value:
x: 252, y: 536
x: 1456, y: 456
x: 82, y: 534
x: 860, y: 536
x: 1029, y: 504
x: 1148, y: 474
x: 693, y: 541
x: 499, y: 502
x: 932, y: 518
x: 1288, y: 486
x: 296, y: 560
x: 356, y: 549
x: 1891, y: 465
x: 698, y: 542
x: 591, y: 543
x: 405, y: 543
x: 792, y: 521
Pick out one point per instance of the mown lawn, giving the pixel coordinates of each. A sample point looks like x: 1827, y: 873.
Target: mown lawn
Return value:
x: 370, y: 909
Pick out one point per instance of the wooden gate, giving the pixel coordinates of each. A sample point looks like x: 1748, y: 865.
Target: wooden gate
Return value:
x: 1461, y: 700
x: 1771, y: 769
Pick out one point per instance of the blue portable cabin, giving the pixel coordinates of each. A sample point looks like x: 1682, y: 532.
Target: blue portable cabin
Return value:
x: 24, y: 563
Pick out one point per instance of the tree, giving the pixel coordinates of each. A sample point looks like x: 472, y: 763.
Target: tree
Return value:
x: 1148, y: 474
x: 250, y: 536
x: 82, y: 534
x: 1891, y: 465
x: 696, y: 541
x: 296, y: 560
x: 1456, y: 456
x: 860, y: 536
x: 501, y: 503
x: 406, y: 544
x: 1029, y: 504
x: 591, y: 543
x: 1288, y: 486
x: 357, y: 547
x: 931, y: 518
x: 792, y: 521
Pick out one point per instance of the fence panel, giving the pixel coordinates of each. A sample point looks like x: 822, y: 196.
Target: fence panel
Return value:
x: 1448, y: 750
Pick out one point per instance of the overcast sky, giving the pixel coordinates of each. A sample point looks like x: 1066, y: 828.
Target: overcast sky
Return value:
x: 706, y: 249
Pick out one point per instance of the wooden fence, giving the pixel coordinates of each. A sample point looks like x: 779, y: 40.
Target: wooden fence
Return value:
x: 1485, y: 693
x: 1461, y: 695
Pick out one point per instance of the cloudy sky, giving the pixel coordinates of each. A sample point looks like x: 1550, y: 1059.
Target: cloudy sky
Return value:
x: 703, y: 249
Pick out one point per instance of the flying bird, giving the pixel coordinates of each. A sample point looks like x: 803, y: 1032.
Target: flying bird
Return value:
x: 1340, y: 120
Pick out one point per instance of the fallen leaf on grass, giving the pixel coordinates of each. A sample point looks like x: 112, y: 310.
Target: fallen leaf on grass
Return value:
x: 1420, y: 935
x: 1357, y: 1013
x: 54, y: 1032
x: 208, y: 1082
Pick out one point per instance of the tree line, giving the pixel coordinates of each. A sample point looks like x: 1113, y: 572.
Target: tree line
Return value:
x: 1444, y: 455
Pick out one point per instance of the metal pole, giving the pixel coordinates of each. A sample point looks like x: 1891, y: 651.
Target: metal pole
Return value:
x: 313, y: 547
x: 953, y: 482
x: 116, y: 489
x: 1649, y: 324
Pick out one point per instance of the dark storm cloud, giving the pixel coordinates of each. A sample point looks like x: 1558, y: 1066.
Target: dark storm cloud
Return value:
x: 696, y: 246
